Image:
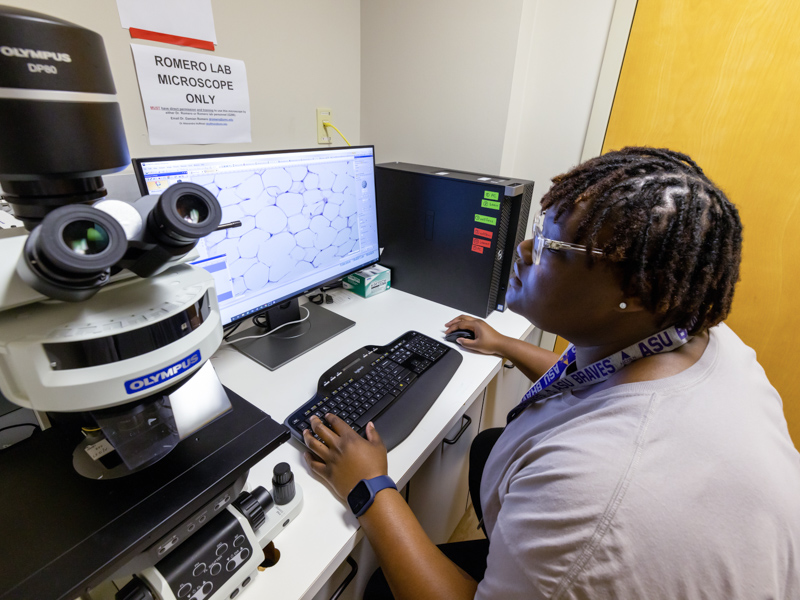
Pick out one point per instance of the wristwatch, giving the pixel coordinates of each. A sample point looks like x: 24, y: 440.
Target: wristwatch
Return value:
x: 362, y: 496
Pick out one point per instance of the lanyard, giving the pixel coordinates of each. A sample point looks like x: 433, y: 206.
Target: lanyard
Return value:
x: 556, y: 380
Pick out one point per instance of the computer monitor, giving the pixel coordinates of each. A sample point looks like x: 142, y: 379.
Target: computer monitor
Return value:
x: 308, y: 217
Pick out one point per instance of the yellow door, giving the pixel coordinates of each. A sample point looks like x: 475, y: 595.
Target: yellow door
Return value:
x: 720, y: 81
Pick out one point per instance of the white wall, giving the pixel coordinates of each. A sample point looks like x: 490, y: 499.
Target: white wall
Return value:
x: 436, y: 80
x: 502, y: 87
x: 560, y: 52
x: 299, y: 55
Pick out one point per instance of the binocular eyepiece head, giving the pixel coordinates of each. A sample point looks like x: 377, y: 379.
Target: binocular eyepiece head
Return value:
x: 76, y: 248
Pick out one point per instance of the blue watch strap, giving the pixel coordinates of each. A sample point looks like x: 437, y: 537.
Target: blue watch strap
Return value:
x: 381, y: 482
x: 374, y: 485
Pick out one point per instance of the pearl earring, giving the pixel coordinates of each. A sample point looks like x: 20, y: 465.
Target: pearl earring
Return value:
x: 623, y: 306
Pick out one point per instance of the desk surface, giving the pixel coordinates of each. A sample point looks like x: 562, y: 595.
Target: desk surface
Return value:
x: 325, y: 532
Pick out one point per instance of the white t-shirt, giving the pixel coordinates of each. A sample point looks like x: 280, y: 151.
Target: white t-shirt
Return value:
x: 684, y: 487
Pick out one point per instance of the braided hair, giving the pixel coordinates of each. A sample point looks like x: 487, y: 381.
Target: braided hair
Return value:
x: 674, y: 237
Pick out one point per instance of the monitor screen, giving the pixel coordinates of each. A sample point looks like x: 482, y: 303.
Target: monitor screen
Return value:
x: 308, y: 217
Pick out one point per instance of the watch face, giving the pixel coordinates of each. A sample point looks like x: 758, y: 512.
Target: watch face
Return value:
x: 358, y: 497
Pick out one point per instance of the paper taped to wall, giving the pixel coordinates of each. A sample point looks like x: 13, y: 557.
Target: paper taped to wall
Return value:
x: 192, y: 98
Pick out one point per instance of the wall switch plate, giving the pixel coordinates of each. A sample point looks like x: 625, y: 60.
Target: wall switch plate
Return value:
x: 323, y: 114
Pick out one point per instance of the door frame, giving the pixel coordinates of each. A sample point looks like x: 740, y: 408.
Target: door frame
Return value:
x: 617, y: 44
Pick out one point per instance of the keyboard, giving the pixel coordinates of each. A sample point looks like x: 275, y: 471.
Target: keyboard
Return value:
x: 393, y: 386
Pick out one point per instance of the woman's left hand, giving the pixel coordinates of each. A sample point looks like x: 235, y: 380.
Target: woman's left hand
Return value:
x: 345, y: 458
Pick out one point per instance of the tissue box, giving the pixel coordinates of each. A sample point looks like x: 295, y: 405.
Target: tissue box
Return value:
x: 369, y: 282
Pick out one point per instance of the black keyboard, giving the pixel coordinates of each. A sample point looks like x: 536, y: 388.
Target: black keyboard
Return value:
x: 393, y: 386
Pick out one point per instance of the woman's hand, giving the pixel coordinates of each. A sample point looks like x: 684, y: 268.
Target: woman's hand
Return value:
x: 487, y: 340
x: 345, y: 458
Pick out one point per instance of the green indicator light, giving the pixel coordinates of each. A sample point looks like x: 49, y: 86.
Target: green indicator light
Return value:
x: 490, y: 204
x: 485, y: 219
x: 491, y: 195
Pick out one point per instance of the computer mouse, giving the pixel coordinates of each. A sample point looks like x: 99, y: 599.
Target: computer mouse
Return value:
x: 459, y: 333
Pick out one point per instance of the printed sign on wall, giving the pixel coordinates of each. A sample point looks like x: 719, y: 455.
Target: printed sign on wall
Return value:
x: 192, y: 98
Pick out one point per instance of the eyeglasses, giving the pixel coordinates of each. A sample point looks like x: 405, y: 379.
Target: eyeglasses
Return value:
x: 540, y: 242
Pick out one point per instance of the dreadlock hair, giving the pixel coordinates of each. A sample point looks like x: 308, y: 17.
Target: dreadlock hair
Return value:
x: 674, y: 237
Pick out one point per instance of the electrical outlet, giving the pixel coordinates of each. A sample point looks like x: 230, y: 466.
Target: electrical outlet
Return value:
x: 323, y: 114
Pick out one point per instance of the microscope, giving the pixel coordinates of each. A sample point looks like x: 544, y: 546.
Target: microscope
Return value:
x: 138, y: 472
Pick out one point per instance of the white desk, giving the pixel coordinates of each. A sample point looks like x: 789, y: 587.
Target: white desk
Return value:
x: 324, y: 534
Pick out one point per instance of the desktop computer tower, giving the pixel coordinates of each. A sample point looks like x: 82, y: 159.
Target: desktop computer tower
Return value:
x: 451, y: 236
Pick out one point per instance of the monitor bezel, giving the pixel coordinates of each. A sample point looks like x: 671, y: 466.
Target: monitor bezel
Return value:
x: 136, y: 163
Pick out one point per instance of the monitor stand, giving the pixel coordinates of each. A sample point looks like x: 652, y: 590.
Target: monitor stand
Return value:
x: 286, y: 344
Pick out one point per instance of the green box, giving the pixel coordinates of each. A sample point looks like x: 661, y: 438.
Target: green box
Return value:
x: 491, y: 195
x: 486, y: 220
x: 369, y: 282
x: 490, y: 204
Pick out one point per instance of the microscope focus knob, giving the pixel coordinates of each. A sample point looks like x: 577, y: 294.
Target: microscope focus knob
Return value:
x: 136, y: 589
x: 254, y: 505
x: 283, y: 483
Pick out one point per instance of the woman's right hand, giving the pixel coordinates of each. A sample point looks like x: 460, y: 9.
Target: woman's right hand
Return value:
x: 487, y: 339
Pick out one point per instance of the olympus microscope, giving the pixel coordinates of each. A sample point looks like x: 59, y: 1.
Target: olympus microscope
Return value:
x: 137, y: 474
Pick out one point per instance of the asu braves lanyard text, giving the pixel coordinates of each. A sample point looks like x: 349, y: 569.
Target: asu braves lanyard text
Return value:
x: 556, y: 380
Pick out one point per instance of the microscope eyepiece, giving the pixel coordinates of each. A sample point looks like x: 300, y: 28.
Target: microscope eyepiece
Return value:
x: 70, y: 255
x: 185, y: 212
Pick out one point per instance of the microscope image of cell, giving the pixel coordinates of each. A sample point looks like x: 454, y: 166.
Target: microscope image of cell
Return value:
x: 294, y: 220
x: 325, y: 237
x: 270, y: 219
x: 298, y: 223
x: 290, y: 203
